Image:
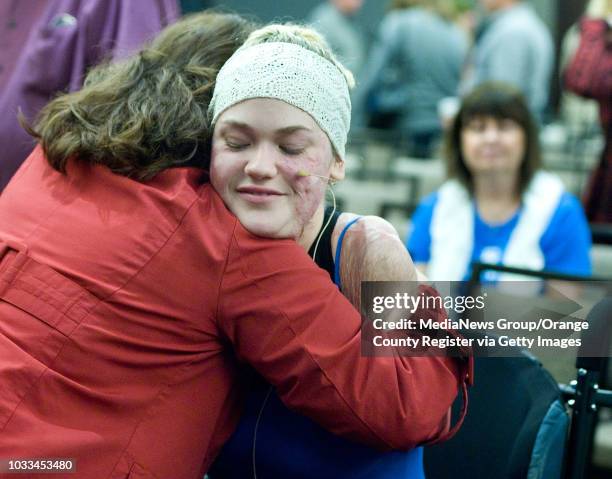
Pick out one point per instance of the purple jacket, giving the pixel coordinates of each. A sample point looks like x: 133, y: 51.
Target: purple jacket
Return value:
x: 46, y: 47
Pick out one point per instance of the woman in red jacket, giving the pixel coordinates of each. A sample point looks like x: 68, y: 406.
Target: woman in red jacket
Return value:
x: 129, y: 293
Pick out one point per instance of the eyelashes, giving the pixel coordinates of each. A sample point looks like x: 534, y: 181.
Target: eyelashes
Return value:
x: 291, y: 151
x: 235, y: 145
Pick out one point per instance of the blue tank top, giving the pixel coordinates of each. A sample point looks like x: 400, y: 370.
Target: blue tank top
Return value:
x: 271, y: 441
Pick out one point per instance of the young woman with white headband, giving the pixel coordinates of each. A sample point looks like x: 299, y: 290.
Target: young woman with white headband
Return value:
x: 281, y: 114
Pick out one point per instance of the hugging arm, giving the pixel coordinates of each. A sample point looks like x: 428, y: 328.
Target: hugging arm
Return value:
x: 371, y: 251
x: 284, y: 317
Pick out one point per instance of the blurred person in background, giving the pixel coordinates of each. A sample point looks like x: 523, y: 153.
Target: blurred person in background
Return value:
x: 589, y: 74
x: 512, y: 45
x: 335, y: 20
x: 47, y: 48
x: 415, y: 63
x: 498, y: 205
x: 579, y: 114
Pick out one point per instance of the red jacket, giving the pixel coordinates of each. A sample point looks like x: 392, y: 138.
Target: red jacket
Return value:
x: 126, y: 307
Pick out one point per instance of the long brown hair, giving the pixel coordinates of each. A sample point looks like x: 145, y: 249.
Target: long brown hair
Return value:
x: 148, y: 112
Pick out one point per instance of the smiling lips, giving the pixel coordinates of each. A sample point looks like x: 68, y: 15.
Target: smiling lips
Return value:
x: 258, y: 194
x: 491, y: 151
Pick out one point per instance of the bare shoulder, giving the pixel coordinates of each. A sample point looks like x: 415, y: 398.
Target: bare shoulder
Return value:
x: 368, y: 227
x: 373, y: 248
x: 379, y: 225
x: 365, y: 236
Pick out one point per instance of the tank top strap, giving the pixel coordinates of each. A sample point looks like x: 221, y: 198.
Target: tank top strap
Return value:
x: 337, y: 279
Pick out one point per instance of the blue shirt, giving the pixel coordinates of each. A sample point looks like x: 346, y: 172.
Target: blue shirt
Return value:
x: 565, y: 243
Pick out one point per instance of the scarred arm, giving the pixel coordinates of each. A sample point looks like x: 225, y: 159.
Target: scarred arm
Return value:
x: 371, y: 251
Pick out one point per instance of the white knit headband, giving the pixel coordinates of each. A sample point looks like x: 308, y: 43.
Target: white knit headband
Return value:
x: 290, y: 73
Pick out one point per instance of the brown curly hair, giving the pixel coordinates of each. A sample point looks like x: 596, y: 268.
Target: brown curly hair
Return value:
x: 148, y: 112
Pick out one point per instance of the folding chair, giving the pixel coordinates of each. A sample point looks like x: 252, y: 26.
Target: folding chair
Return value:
x: 517, y: 425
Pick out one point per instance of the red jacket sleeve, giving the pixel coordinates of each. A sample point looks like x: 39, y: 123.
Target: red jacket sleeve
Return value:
x: 284, y: 317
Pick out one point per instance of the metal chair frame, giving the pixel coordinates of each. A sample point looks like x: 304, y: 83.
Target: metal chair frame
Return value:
x: 583, y: 395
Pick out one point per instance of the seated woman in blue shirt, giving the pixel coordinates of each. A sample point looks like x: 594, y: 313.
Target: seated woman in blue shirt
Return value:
x: 498, y: 206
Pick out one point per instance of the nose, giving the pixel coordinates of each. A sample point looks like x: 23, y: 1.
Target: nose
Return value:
x: 262, y: 163
x: 491, y: 133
